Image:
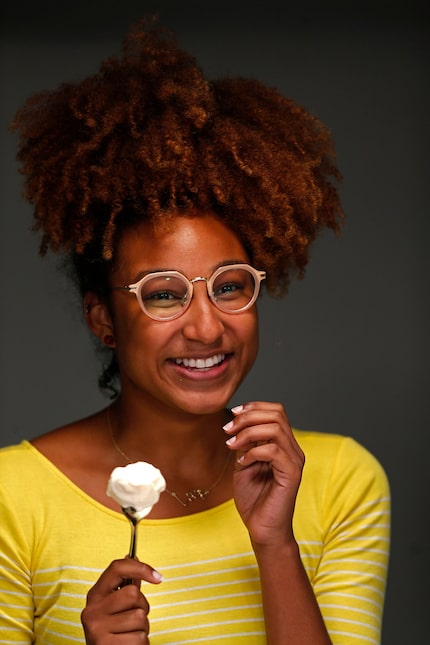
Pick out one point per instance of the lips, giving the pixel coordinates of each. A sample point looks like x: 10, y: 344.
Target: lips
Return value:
x: 201, y: 363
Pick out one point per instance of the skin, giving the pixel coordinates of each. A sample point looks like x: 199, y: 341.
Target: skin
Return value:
x: 187, y: 407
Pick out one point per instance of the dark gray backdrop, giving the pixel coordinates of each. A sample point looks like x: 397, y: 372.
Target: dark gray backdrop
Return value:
x: 347, y: 350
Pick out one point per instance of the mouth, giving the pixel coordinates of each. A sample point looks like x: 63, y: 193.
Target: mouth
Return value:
x: 201, y: 363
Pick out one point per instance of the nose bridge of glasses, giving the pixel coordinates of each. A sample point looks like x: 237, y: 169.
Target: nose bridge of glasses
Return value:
x: 199, y: 278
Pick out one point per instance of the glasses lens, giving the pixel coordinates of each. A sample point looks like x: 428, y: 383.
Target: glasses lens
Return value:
x: 234, y: 288
x: 163, y: 295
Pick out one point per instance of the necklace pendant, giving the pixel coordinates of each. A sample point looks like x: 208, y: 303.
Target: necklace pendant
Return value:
x: 196, y: 493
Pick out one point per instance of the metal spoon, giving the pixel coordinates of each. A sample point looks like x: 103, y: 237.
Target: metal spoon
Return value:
x: 134, y: 517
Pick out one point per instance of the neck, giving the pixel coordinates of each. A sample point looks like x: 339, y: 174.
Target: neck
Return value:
x: 168, y: 439
x: 194, y: 466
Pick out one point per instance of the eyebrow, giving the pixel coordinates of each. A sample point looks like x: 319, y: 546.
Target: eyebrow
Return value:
x: 223, y: 263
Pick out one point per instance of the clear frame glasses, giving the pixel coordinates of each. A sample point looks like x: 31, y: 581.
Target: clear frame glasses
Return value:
x: 165, y: 295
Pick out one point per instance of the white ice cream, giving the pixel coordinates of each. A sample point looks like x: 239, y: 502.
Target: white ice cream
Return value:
x: 136, y: 487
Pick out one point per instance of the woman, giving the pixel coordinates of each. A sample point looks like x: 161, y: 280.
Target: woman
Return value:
x: 175, y: 198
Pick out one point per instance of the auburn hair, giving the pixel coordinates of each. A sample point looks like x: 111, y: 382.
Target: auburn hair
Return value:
x: 149, y: 136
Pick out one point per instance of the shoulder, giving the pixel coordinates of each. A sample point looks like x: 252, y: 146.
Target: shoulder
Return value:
x: 16, y: 457
x: 24, y: 472
x: 79, y: 443
x: 341, y: 460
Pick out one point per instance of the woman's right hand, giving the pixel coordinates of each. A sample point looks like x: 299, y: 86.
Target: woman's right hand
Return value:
x: 116, y: 614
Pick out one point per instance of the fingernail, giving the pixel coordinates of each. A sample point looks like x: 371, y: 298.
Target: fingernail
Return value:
x: 237, y: 409
x: 228, y: 426
x: 157, y: 575
x: 231, y: 441
x: 241, y: 458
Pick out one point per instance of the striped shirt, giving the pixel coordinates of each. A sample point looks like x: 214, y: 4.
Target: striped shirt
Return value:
x: 55, y: 541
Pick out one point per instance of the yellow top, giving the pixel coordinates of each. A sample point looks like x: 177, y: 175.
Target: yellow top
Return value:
x: 55, y: 541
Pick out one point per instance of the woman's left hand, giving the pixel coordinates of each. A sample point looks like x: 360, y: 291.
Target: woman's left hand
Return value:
x: 268, y: 471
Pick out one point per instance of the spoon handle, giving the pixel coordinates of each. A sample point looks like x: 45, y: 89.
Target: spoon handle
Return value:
x: 132, y: 550
x: 133, y: 539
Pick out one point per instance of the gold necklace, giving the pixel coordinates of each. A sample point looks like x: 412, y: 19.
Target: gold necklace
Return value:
x: 190, y: 495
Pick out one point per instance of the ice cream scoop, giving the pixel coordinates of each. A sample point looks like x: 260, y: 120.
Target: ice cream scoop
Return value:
x: 136, y: 488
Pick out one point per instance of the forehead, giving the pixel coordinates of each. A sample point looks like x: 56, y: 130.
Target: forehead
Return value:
x: 189, y: 243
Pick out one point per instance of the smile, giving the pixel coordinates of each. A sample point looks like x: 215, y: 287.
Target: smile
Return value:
x: 201, y: 363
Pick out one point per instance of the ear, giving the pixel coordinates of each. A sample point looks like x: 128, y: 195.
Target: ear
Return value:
x: 98, y: 318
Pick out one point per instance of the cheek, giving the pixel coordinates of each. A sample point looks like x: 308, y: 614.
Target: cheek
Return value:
x: 249, y: 335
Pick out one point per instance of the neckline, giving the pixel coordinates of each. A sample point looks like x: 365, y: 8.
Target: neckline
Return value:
x: 118, y: 514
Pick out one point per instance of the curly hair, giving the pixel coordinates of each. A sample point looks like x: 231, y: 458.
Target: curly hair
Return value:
x: 148, y: 135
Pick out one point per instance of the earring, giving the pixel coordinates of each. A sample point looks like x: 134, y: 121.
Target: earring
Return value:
x: 109, y: 340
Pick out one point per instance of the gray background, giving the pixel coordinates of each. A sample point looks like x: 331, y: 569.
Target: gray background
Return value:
x: 347, y: 350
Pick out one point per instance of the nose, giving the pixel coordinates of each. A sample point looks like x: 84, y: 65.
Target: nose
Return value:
x: 202, y: 321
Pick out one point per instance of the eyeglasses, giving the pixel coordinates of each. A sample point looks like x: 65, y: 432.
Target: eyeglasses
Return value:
x: 165, y: 295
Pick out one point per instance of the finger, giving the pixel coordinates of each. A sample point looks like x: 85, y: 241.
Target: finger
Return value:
x: 126, y: 598
x: 115, y: 573
x: 258, y: 413
x: 268, y: 433
x: 262, y: 414
x: 257, y: 405
x: 132, y: 620
x: 283, y: 466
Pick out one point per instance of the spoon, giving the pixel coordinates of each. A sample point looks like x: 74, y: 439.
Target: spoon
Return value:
x: 136, y: 488
x: 134, y: 517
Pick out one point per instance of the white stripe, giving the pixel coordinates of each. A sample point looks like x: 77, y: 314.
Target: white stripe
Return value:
x: 205, y: 625
x: 355, y: 584
x: 56, y: 581
x: 350, y: 609
x: 363, y: 638
x: 8, y: 628
x: 375, y: 502
x: 362, y: 526
x: 237, y: 556
x: 373, y: 563
x: 363, y: 599
x: 343, y: 549
x: 67, y: 567
x: 338, y: 619
x: 25, y: 575
x: 208, y: 599
x: 205, y: 574
x: 9, y: 606
x: 379, y: 538
x: 53, y: 619
x: 11, y: 593
x: 160, y: 592
x: 63, y: 637
x: 206, y: 612
x: 207, y: 639
x: 351, y: 572
x: 60, y: 593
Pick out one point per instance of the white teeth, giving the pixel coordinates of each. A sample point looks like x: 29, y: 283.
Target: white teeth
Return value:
x: 200, y: 363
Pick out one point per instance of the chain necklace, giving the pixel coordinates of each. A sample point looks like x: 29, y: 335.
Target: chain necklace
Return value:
x: 190, y: 495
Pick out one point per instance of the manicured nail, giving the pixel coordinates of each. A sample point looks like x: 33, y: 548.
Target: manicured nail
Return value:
x: 228, y: 426
x: 231, y: 441
x: 157, y: 575
x: 237, y: 409
x: 240, y: 460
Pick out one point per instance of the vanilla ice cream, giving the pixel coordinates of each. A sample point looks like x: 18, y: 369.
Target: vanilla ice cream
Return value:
x: 136, y: 487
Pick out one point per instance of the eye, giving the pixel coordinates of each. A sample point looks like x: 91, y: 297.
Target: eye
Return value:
x: 228, y: 290
x: 233, y: 284
x: 163, y: 292
x: 162, y: 295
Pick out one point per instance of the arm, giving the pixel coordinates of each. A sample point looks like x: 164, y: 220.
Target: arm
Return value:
x: 16, y: 599
x: 350, y: 578
x: 267, y: 478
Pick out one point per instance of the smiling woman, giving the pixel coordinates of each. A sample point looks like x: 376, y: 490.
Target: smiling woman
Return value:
x: 176, y: 200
